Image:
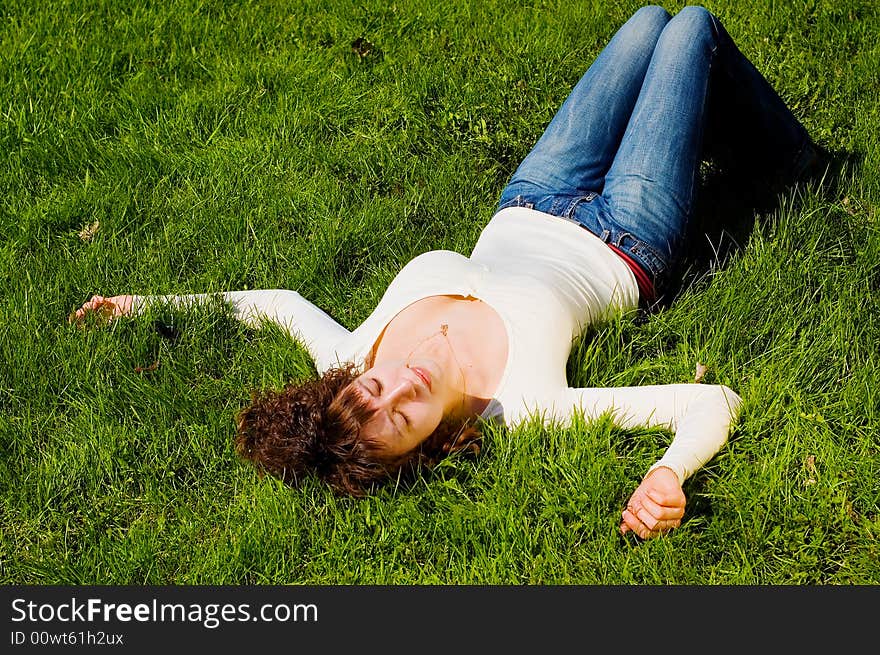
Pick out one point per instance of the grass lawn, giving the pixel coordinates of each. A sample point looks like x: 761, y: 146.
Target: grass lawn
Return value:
x: 190, y: 146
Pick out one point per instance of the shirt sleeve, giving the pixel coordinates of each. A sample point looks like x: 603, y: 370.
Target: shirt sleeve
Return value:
x: 318, y: 333
x: 701, y: 417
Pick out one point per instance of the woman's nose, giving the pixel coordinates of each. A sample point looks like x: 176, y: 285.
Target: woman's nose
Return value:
x: 402, y: 388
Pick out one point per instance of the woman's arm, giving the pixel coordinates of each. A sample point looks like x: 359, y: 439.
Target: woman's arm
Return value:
x: 309, y: 325
x: 701, y: 417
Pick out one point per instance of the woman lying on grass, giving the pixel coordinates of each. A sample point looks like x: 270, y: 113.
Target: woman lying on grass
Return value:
x: 591, y: 223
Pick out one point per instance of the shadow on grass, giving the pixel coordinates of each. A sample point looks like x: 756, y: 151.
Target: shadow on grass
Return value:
x: 729, y: 206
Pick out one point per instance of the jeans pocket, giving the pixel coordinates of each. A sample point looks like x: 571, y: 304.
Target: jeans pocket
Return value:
x: 573, y: 202
x: 516, y: 201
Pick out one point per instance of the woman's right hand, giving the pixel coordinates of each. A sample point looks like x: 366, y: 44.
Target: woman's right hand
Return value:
x: 657, y: 506
x: 107, y: 308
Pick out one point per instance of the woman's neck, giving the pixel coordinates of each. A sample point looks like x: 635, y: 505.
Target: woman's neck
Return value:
x: 465, y: 336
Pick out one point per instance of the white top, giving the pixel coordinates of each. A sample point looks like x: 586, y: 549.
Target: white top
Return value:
x: 547, y: 278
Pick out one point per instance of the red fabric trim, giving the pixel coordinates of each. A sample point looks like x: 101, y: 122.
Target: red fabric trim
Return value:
x: 646, y: 287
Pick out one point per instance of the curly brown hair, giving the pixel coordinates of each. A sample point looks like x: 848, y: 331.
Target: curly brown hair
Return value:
x: 313, y: 428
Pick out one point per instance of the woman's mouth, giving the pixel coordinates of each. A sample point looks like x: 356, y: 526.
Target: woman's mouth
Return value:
x: 423, y: 375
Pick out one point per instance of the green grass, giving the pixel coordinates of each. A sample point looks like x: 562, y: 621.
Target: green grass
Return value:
x: 318, y: 146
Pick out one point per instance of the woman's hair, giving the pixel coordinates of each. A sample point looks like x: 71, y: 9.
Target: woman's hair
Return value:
x: 314, y: 428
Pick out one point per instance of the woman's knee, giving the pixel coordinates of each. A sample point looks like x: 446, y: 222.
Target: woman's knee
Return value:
x: 690, y: 25
x: 648, y: 20
x: 640, y: 33
x: 695, y: 14
x: 652, y: 14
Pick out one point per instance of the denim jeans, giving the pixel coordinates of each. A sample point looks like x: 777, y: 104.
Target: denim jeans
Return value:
x: 622, y: 154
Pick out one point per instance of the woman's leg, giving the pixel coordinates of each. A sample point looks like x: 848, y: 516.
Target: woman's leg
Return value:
x: 650, y: 186
x: 579, y: 144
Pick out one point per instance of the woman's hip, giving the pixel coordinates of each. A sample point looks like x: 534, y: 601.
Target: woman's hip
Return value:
x: 651, y: 244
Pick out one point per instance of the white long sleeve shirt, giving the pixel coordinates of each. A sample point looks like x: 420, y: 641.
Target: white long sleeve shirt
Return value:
x: 547, y: 278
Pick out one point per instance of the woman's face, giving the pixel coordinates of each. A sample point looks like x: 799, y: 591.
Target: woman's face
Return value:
x: 409, y: 397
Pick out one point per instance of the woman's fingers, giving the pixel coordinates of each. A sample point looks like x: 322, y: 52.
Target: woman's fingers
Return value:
x: 634, y: 523
x: 658, y: 511
x: 650, y: 512
x: 104, y: 306
x: 647, y: 518
x: 656, y: 506
x: 656, y: 524
x: 667, y: 498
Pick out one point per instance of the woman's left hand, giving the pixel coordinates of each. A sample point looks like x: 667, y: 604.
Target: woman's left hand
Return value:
x: 108, y: 308
x: 657, y: 506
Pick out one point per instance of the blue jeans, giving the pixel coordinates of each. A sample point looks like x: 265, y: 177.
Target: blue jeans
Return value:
x: 622, y: 154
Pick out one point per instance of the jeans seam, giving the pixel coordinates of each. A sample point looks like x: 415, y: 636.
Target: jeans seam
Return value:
x: 577, y: 200
x: 655, y: 263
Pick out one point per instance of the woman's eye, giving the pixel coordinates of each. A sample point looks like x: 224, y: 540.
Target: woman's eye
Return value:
x: 378, y: 385
x: 405, y: 419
